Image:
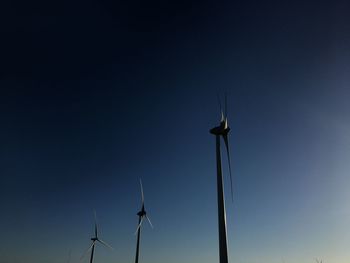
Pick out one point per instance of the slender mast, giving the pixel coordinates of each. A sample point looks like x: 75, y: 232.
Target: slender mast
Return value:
x: 92, y: 253
x: 221, y: 206
x: 138, y: 242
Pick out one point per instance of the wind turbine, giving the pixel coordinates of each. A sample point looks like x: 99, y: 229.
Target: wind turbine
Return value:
x: 142, y: 214
x: 94, y: 240
x: 69, y: 255
x: 222, y: 130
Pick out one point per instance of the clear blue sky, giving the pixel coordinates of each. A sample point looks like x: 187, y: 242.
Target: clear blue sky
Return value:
x: 96, y: 95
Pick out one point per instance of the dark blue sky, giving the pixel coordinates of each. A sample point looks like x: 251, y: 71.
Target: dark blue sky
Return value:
x: 95, y: 95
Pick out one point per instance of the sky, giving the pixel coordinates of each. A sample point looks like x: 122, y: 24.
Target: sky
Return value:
x: 95, y: 95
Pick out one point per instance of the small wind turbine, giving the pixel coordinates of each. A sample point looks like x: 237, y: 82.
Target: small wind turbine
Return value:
x: 142, y: 214
x: 222, y: 130
x: 94, y: 240
x: 69, y: 255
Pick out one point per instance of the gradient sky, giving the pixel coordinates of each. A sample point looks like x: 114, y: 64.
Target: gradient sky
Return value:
x: 97, y: 94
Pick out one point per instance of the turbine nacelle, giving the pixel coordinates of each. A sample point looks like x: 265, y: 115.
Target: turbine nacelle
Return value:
x: 222, y: 129
x: 142, y: 213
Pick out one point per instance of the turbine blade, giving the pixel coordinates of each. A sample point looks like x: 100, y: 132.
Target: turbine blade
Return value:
x: 226, y: 124
x: 225, y: 104
x: 139, y: 225
x: 93, y: 243
x: 229, y: 161
x: 142, y: 196
x: 96, y: 228
x: 219, y: 100
x: 105, y: 244
x: 149, y: 221
x: 222, y: 116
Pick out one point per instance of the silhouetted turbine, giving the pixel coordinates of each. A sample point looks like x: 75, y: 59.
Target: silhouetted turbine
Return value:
x: 222, y: 131
x: 142, y: 214
x: 94, y: 240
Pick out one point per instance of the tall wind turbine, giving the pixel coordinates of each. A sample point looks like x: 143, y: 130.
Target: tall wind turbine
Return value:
x: 142, y: 214
x: 94, y: 240
x: 222, y: 130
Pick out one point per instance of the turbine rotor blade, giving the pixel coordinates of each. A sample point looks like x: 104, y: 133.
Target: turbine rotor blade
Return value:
x: 105, y: 244
x: 149, y: 221
x: 226, y: 123
x: 222, y: 117
x: 219, y: 101
x: 225, y: 137
x: 142, y: 196
x: 225, y: 104
x: 96, y: 228
x: 139, y: 225
x: 93, y: 243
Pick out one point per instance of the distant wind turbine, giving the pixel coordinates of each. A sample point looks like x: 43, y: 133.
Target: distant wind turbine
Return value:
x: 69, y: 255
x: 94, y: 240
x: 222, y: 131
x: 142, y: 214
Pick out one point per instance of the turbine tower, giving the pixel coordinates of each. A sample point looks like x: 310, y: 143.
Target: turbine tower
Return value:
x: 142, y: 214
x: 222, y: 130
x: 94, y: 240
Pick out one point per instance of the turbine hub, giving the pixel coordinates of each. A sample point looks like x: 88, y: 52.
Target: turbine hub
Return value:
x: 222, y: 129
x: 141, y: 213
